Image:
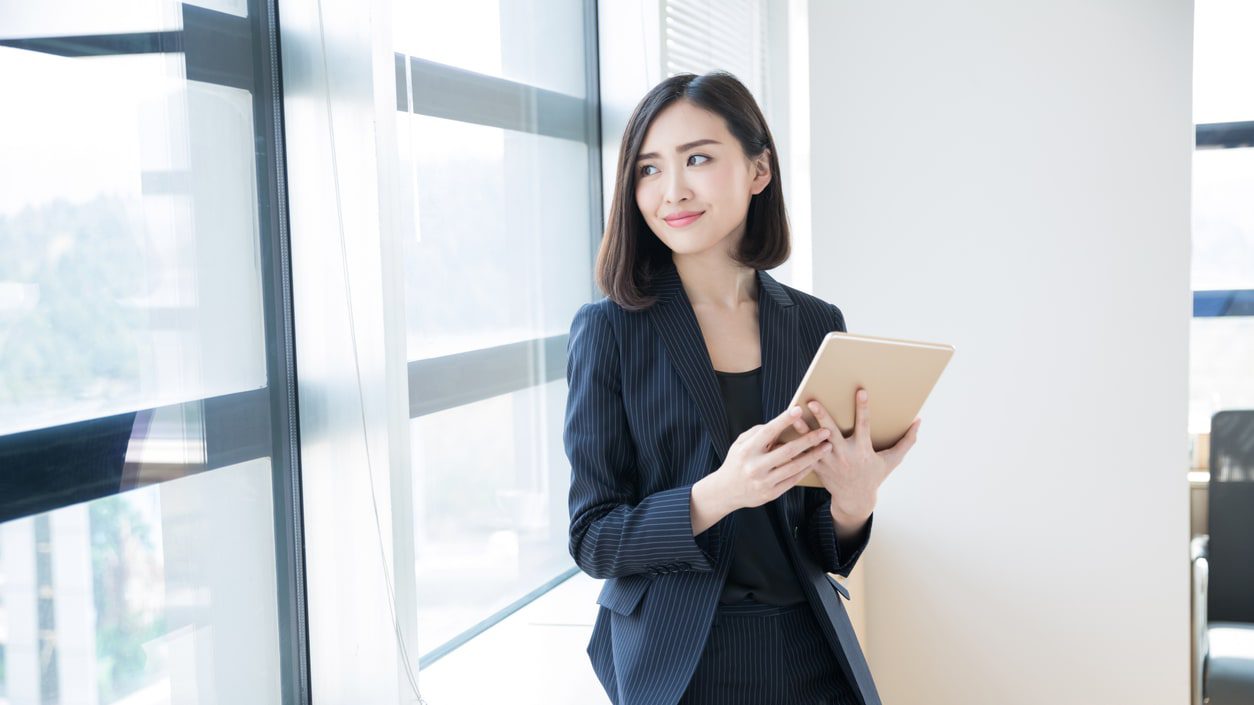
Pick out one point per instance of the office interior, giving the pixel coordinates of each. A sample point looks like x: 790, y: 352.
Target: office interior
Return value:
x: 285, y: 290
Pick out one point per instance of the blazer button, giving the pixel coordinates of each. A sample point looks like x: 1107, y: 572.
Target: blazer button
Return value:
x: 795, y: 530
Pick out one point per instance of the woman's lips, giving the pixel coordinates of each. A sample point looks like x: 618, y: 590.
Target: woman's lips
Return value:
x: 685, y: 221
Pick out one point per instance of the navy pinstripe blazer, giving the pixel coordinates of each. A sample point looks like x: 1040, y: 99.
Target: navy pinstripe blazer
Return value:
x: 644, y: 421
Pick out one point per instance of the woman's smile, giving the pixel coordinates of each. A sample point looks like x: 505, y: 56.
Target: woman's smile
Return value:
x: 680, y: 220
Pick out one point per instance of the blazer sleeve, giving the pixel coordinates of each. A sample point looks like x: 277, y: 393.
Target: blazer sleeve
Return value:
x: 613, y: 531
x: 820, y: 529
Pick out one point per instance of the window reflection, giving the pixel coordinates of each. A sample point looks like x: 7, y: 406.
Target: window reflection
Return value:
x: 161, y: 594
x: 490, y: 483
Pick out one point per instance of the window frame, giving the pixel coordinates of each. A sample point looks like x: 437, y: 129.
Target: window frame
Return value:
x: 425, y: 87
x: 1224, y: 302
x: 238, y: 52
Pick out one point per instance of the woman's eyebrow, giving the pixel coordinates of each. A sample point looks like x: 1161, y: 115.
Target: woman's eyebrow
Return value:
x: 680, y: 148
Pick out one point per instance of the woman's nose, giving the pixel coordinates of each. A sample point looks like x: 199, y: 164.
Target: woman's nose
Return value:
x: 676, y: 187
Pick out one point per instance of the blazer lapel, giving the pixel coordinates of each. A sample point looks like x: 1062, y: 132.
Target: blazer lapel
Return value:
x: 782, y: 363
x: 677, y: 326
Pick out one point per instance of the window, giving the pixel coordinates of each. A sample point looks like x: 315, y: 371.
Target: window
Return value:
x: 1222, y: 337
x: 149, y: 547
x: 497, y: 128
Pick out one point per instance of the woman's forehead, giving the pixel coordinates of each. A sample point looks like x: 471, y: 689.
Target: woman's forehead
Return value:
x: 683, y: 123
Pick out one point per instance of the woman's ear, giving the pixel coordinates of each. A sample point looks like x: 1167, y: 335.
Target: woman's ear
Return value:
x: 762, y: 171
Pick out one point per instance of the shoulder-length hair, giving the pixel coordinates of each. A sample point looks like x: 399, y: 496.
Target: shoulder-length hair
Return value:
x: 631, y: 254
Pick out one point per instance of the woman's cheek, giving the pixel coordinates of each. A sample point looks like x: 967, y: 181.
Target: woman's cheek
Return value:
x: 717, y: 182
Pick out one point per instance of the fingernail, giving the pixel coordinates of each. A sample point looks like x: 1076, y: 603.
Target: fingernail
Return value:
x: 861, y: 395
x: 796, y: 410
x: 814, y: 405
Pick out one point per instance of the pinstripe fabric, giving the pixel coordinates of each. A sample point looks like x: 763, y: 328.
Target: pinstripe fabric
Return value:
x: 766, y: 654
x: 644, y: 421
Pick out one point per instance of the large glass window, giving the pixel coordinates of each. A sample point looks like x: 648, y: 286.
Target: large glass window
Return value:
x: 1222, y: 336
x: 148, y: 543
x: 497, y: 127
x: 1223, y: 61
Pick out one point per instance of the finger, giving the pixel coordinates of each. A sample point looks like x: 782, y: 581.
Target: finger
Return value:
x: 784, y: 453
x: 796, y: 472
x: 770, y: 430
x: 862, y: 415
x: 800, y: 426
x: 897, y: 453
x: 790, y: 482
x: 798, y: 466
x: 825, y: 419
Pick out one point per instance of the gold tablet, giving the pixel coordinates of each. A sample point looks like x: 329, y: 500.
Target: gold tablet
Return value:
x: 897, y: 374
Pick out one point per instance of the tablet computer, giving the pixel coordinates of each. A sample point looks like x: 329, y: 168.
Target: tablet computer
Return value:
x: 897, y: 374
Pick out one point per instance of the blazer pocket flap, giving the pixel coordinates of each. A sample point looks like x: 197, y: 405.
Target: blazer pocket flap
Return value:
x: 839, y: 588
x: 621, y: 595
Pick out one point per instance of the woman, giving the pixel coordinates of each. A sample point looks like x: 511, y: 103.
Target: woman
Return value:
x: 714, y: 561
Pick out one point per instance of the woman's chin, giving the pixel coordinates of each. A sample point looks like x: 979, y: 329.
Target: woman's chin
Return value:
x: 680, y: 246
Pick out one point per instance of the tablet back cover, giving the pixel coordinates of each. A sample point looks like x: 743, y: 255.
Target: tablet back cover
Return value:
x: 897, y: 374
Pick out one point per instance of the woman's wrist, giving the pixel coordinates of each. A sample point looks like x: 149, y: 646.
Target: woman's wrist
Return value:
x: 851, y: 519
x: 709, y: 503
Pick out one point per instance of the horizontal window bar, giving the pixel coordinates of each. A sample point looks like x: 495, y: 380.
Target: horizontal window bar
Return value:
x: 441, y: 383
x: 102, y: 44
x: 1225, y: 135
x: 457, y: 94
x: 55, y: 467
x: 1212, y: 304
x: 217, y: 46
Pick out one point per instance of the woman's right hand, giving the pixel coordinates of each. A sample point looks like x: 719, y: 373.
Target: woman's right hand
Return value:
x: 757, y: 470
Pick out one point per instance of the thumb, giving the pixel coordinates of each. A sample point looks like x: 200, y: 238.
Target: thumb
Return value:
x: 897, y: 453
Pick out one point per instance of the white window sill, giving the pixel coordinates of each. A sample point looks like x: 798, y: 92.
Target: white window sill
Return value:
x: 536, y: 656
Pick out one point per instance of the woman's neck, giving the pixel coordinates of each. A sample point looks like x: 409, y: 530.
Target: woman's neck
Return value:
x: 713, y: 279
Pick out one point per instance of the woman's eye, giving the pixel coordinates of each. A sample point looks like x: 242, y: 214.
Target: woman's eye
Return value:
x: 698, y: 156
x: 643, y: 168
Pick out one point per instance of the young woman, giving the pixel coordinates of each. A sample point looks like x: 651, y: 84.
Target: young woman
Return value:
x: 681, y: 496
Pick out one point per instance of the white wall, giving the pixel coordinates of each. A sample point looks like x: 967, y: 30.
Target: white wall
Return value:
x: 1013, y: 178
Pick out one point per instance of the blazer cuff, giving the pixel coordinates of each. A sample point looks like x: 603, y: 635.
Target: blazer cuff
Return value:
x: 837, y: 557
x: 678, y: 550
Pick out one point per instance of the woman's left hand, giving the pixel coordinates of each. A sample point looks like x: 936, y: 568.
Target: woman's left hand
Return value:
x: 853, y: 471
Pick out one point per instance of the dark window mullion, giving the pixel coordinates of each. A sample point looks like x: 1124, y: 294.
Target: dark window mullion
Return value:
x: 260, y: 60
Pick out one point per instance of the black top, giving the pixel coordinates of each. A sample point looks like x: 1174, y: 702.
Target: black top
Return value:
x: 760, y: 569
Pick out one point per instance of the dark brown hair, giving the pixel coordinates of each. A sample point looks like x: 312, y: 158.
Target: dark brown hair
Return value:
x: 630, y: 252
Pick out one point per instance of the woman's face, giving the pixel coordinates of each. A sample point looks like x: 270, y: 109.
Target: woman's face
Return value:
x: 691, y: 164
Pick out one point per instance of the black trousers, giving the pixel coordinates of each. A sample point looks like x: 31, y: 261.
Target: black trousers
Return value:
x: 762, y: 654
